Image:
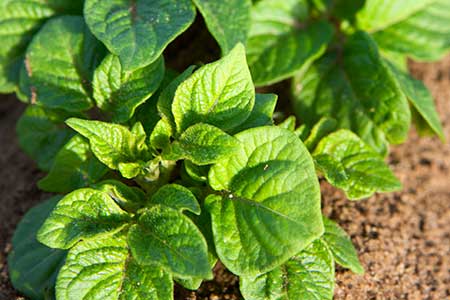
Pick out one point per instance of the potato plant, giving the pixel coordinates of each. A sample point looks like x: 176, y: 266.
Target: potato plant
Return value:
x: 160, y: 174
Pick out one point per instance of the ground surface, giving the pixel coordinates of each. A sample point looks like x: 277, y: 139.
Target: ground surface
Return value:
x: 403, y: 238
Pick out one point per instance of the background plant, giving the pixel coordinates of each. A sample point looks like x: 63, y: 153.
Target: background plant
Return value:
x: 216, y: 178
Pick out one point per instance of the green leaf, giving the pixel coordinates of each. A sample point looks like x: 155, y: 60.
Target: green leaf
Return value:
x: 119, y: 92
x: 75, y: 166
x: 228, y: 21
x: 138, y: 31
x: 307, y: 276
x: 366, y: 171
x: 32, y: 266
x: 221, y: 94
x: 177, y: 197
x: 262, y: 113
x: 320, y: 129
x: 421, y: 99
x: 269, y: 207
x: 42, y: 134
x: 166, y: 237
x: 197, y: 173
x: 420, y: 29
x: 64, y: 82
x: 113, y: 144
x: 83, y: 214
x: 104, y: 269
x: 165, y: 100
x: 161, y: 135
x: 127, y: 197
x: 281, y: 42
x: 341, y: 246
x: 203, y: 144
x: 359, y: 91
x: 288, y: 123
x: 19, y: 21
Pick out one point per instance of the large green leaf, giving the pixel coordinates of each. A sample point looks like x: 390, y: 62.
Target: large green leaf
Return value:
x: 203, y: 144
x: 365, y: 170
x: 281, y: 41
x: 341, y: 246
x: 103, y: 268
x: 307, y: 276
x: 221, y: 94
x: 19, y: 21
x: 114, y: 145
x: 420, y: 29
x: 32, y: 266
x: 269, y: 206
x: 166, y: 237
x: 83, y: 214
x: 42, y: 134
x: 60, y: 63
x: 228, y: 21
x: 358, y: 90
x: 177, y: 197
x: 119, y: 92
x: 75, y: 166
x: 138, y: 31
x: 421, y: 99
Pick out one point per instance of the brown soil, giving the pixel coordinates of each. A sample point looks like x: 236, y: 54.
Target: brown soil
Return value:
x: 403, y: 238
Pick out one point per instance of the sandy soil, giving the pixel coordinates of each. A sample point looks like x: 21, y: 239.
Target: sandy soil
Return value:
x: 403, y: 238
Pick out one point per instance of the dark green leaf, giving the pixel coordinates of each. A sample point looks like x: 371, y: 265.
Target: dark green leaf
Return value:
x: 228, y: 21
x: 138, y: 31
x: 42, y: 133
x: 262, y: 113
x: 32, y: 266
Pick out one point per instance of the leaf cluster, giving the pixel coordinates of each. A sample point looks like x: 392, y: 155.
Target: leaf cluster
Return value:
x: 161, y: 174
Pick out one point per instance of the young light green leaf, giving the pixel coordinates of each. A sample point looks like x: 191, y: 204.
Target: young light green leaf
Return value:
x: 119, y: 92
x: 341, y: 246
x: 103, y: 268
x: 359, y: 91
x: 32, y: 266
x: 75, y: 166
x: 19, y: 21
x: 271, y: 180
x: 177, y: 197
x: 320, y: 129
x: 42, y: 134
x: 138, y: 31
x: 228, y: 21
x: 64, y: 81
x: 83, y: 214
x: 166, y: 237
x: 308, y: 276
x: 279, y: 42
x: 262, y: 113
x: 288, y: 123
x: 420, y: 29
x: 203, y: 144
x: 127, y: 197
x: 114, y: 145
x: 366, y: 171
x: 195, y: 172
x: 221, y: 94
x: 421, y: 99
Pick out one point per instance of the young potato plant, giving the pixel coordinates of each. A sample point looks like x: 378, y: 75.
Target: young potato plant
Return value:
x: 161, y: 174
